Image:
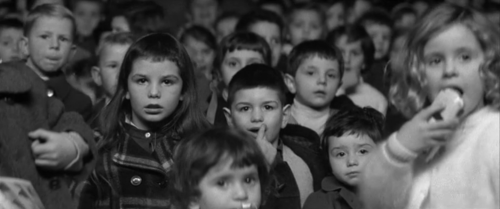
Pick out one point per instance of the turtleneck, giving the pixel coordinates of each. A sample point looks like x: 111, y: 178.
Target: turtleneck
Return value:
x: 309, y: 117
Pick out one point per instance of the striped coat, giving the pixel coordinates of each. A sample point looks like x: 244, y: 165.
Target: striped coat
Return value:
x: 129, y: 176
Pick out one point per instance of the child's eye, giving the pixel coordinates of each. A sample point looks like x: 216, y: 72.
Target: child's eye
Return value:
x: 364, y: 151
x: 44, y: 36
x: 465, y: 57
x: 340, y: 154
x: 250, y: 180
x: 141, y: 80
x: 221, y: 183
x: 168, y: 82
x: 244, y: 109
x: 434, y: 61
x: 5, y: 43
x: 331, y: 75
x: 309, y: 72
x: 231, y: 64
x: 268, y: 107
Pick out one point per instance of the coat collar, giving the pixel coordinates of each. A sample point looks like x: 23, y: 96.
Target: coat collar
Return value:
x: 130, y: 153
x: 331, y: 184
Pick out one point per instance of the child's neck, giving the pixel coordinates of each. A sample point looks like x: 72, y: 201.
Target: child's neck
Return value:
x: 312, y: 118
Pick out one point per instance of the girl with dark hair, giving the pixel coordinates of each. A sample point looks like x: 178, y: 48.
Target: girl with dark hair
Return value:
x: 153, y: 108
x: 220, y: 168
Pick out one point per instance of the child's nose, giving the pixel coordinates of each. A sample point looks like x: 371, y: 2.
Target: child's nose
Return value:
x: 240, y: 192
x: 54, y: 43
x: 256, y: 116
x: 352, y: 160
x: 450, y: 69
x: 154, y: 91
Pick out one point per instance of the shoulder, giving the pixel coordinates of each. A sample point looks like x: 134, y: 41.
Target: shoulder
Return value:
x: 294, y: 134
x: 318, y: 199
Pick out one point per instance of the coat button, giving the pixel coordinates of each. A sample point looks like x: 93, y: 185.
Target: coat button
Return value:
x: 148, y: 135
x: 50, y: 93
x: 54, y: 184
x: 136, y: 180
x: 162, y: 184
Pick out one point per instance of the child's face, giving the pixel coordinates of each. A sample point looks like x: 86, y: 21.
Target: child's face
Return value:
x: 227, y: 187
x: 204, y: 12
x: 316, y: 82
x: 354, y: 60
x: 237, y: 59
x: 251, y: 108
x: 270, y: 32
x: 335, y: 16
x: 202, y: 55
x: 49, y: 44
x: 119, y: 24
x: 452, y: 59
x: 225, y: 27
x: 348, y: 155
x: 87, y: 17
x: 108, y: 67
x: 9, y: 40
x: 305, y: 25
x: 381, y: 36
x: 154, y: 91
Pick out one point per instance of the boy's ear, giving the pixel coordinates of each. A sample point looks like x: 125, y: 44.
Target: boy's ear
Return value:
x: 72, y: 51
x: 227, y: 113
x: 23, y: 45
x: 286, y: 115
x: 96, y: 75
x: 127, y: 95
x: 290, y: 83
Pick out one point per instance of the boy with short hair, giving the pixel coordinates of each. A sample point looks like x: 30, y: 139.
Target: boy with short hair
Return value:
x: 110, y: 56
x: 11, y: 33
x: 269, y: 26
x: 257, y: 105
x: 48, y: 42
x: 349, y: 138
x: 314, y: 74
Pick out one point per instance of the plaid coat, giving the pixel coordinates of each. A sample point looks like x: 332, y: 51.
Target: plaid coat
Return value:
x: 129, y: 176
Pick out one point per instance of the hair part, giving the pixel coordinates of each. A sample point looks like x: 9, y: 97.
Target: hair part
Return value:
x: 49, y: 11
x: 195, y: 156
x: 310, y: 49
x: 407, y: 92
x: 257, y: 76
x: 186, y: 118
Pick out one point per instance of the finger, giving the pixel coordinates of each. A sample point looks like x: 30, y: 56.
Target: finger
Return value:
x: 45, y: 163
x: 449, y: 124
x: 440, y: 136
x: 41, y: 134
x: 262, y: 132
x: 428, y: 112
x: 40, y: 148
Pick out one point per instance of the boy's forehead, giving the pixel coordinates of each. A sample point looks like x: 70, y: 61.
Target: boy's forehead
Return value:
x: 49, y: 23
x: 349, y: 139
x: 265, y: 93
x: 377, y: 26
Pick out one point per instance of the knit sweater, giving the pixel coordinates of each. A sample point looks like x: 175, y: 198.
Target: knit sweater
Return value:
x: 465, y: 174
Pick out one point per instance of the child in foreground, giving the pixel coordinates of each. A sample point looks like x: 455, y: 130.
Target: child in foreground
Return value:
x: 218, y: 169
x: 153, y: 108
x: 350, y: 136
x: 457, y: 48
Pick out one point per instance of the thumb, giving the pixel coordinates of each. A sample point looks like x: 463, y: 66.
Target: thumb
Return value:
x: 41, y: 134
x: 261, y: 135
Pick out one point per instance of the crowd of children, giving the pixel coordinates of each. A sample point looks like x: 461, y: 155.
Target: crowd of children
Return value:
x: 292, y: 104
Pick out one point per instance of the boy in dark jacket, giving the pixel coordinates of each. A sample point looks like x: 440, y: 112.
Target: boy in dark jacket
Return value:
x: 349, y: 137
x: 257, y: 102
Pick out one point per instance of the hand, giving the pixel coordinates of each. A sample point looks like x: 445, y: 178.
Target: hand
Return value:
x: 267, y: 148
x: 54, y: 151
x: 419, y: 134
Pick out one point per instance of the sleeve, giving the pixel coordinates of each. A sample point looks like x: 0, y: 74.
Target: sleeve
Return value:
x: 61, y: 121
x: 388, y: 176
x: 491, y: 153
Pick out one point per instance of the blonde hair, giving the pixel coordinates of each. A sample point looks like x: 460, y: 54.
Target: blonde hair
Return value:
x: 49, y: 10
x: 407, y: 90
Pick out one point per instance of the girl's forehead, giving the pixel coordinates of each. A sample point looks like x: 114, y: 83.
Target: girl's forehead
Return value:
x: 244, y: 53
x: 306, y: 14
x: 455, y: 37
